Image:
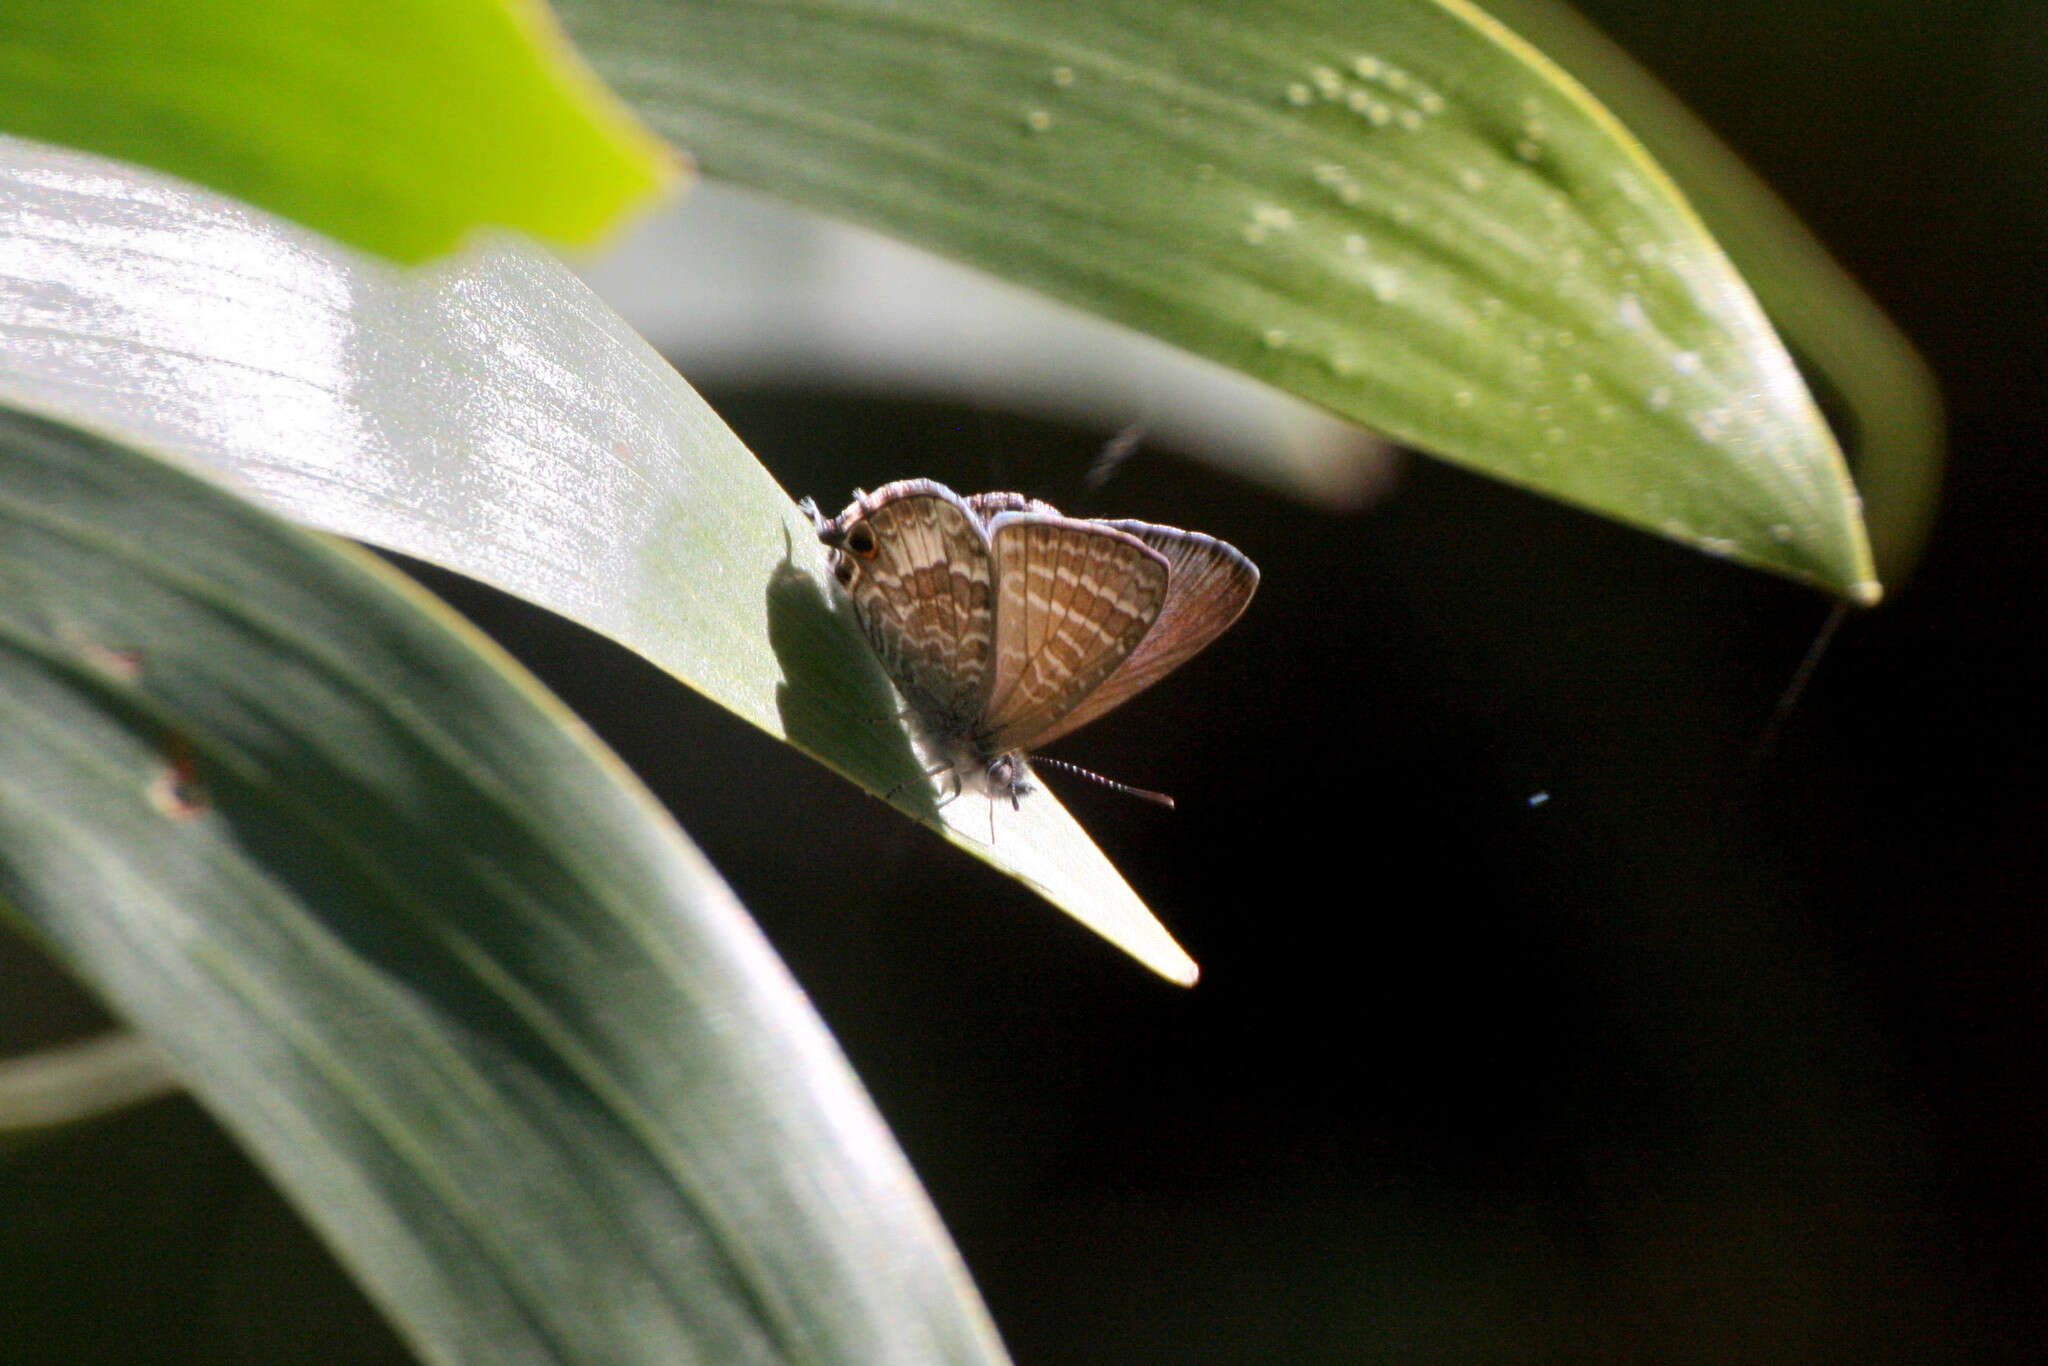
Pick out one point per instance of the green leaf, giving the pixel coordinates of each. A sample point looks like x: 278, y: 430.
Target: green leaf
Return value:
x: 1837, y: 330
x: 78, y: 1082
x: 1398, y: 210
x: 491, y: 416
x: 430, y: 953
x: 396, y: 126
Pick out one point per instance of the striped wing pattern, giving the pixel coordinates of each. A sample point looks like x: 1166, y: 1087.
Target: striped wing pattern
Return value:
x: 925, y: 602
x: 1074, y: 599
x: 1005, y: 625
x: 1208, y: 587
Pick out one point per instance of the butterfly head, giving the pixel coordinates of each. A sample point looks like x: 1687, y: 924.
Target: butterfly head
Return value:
x: 1008, y: 776
x: 849, y: 535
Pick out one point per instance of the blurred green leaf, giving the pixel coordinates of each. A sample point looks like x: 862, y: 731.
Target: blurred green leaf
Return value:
x: 1398, y: 210
x: 451, y: 976
x: 78, y: 1082
x: 492, y: 416
x: 395, y: 125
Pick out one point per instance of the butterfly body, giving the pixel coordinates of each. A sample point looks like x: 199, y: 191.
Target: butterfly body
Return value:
x: 1005, y: 625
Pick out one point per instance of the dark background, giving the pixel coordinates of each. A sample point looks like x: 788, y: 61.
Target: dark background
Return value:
x: 1722, y: 1051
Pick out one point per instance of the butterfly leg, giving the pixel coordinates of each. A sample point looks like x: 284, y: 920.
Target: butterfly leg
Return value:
x: 934, y: 771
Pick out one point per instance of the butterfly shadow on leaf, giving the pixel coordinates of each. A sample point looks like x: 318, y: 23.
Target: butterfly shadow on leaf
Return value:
x: 834, y: 700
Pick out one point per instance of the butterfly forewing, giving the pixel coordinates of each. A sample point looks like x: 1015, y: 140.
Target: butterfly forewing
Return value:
x: 1074, y: 599
x: 1208, y: 587
x: 925, y: 600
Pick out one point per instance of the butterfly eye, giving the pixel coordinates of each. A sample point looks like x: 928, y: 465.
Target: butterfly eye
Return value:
x: 861, y: 540
x: 842, y: 570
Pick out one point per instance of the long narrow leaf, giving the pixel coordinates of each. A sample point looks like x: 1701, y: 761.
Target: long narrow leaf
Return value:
x: 491, y: 416
x: 1398, y: 210
x: 444, y: 968
x: 77, y: 1082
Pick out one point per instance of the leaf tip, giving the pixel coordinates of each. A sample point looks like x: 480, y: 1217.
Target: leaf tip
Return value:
x: 1173, y: 964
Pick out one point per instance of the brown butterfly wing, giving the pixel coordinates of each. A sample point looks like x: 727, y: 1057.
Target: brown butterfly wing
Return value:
x: 1073, y: 600
x: 1210, y: 582
x: 924, y: 598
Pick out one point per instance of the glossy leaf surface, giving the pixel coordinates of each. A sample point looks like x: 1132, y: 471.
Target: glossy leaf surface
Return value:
x: 452, y: 976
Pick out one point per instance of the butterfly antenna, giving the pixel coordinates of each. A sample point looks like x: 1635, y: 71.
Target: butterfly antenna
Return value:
x: 1142, y: 794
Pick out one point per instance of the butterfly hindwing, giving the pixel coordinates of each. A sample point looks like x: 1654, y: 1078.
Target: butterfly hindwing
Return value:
x: 923, y: 591
x: 1073, y: 600
x: 1209, y: 585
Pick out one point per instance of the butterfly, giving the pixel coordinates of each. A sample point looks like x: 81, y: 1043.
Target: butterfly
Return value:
x: 1005, y: 625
